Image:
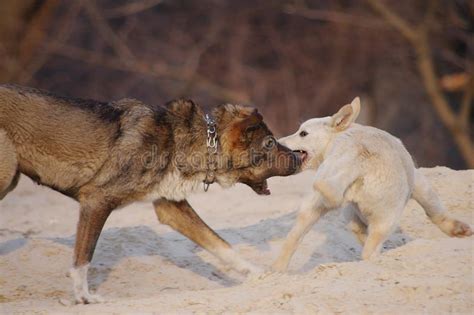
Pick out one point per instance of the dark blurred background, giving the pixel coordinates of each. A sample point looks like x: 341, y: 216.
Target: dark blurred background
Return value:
x: 410, y: 61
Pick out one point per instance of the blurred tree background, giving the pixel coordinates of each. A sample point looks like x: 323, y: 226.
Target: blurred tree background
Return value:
x: 412, y: 62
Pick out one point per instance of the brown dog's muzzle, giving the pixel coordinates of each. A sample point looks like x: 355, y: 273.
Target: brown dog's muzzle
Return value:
x: 284, y: 163
x: 288, y: 162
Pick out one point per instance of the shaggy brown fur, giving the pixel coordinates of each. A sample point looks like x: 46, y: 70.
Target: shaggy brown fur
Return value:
x: 106, y: 155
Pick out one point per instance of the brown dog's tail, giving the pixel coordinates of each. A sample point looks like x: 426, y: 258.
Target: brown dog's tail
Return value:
x: 424, y: 194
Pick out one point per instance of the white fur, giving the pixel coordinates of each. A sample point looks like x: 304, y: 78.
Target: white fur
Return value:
x: 174, y: 187
x: 368, y: 170
x: 80, y: 286
x: 236, y: 262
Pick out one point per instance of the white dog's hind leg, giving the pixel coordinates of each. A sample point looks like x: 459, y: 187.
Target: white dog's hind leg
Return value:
x: 429, y: 200
x: 375, y: 238
x: 357, y: 227
x: 312, y: 209
x: 80, y: 286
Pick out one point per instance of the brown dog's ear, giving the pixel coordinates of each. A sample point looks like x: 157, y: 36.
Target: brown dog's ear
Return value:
x: 228, y: 113
x: 253, y: 120
x: 346, y: 115
x: 255, y: 115
x: 251, y: 124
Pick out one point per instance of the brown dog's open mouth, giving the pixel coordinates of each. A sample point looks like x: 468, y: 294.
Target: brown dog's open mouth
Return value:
x: 260, y: 188
x: 303, y: 155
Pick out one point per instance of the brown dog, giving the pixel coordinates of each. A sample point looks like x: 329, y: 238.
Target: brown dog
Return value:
x: 106, y: 155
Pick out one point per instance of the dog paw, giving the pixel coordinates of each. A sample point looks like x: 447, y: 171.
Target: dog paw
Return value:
x: 65, y: 302
x: 461, y: 229
x: 88, y: 298
x: 279, y: 267
x: 261, y: 276
x: 250, y: 270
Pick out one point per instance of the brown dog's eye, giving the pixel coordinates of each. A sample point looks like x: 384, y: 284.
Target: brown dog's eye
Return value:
x: 269, y: 143
x: 303, y: 133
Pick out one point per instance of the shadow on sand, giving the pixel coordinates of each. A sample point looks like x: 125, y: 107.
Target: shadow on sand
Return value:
x: 138, y: 241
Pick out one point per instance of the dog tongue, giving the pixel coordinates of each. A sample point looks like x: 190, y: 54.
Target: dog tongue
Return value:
x: 303, y: 155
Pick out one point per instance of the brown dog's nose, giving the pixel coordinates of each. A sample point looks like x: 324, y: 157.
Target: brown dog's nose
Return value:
x: 292, y: 160
x: 295, y: 162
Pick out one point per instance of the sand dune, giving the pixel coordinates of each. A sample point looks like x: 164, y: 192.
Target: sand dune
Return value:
x: 143, y: 266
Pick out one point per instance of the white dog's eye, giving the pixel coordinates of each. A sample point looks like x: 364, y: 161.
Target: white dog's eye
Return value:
x: 303, y: 133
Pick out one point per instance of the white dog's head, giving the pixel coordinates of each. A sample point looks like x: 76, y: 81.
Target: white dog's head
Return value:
x: 314, y: 135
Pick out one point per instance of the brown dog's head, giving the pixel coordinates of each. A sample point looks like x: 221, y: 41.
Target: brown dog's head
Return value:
x: 250, y: 151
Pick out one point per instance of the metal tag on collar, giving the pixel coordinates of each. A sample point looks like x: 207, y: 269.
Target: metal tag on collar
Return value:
x: 210, y: 121
x: 212, y: 148
x: 211, y: 134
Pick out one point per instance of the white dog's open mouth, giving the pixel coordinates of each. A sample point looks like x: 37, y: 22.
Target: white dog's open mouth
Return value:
x: 302, y: 154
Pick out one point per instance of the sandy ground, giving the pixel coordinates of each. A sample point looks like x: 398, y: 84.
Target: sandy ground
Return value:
x: 143, y: 266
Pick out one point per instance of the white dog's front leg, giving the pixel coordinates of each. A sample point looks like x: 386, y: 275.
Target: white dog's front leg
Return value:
x: 333, y: 178
x: 312, y: 209
x: 81, y: 287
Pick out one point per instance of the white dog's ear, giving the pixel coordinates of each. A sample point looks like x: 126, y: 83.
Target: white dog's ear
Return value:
x: 346, y: 115
x: 356, y: 107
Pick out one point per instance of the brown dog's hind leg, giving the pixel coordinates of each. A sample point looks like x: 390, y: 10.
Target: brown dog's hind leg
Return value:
x: 91, y: 222
x: 182, y: 218
x: 8, y: 165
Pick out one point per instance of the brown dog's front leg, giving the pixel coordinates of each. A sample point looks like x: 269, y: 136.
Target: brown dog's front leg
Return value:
x: 182, y: 218
x: 91, y: 222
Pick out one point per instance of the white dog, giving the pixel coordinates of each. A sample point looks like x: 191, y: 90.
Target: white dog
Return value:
x: 366, y: 169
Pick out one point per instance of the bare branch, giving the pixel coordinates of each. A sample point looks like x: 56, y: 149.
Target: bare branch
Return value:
x: 427, y: 20
x: 63, y: 33
x: 451, y: 57
x: 192, y: 63
x: 397, y: 22
x: 131, y: 8
x: 107, y: 33
x: 418, y: 37
x: 154, y: 70
x: 333, y: 16
x: 466, y: 105
x: 36, y: 31
x: 439, y: 101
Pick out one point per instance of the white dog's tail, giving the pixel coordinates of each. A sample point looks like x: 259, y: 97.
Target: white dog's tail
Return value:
x: 424, y: 194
